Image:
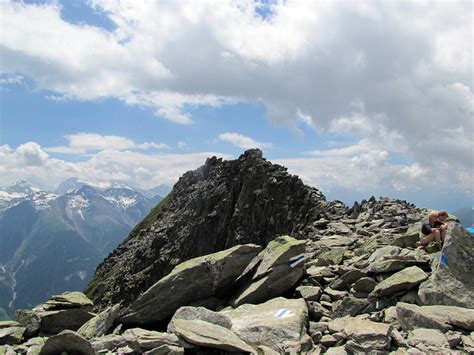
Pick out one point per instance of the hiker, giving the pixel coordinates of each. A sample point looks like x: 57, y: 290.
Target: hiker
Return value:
x: 434, y: 229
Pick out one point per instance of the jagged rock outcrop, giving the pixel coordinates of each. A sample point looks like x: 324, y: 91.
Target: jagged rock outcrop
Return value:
x: 219, y: 205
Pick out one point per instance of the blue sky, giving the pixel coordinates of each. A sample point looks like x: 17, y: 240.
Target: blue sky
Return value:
x: 358, y: 99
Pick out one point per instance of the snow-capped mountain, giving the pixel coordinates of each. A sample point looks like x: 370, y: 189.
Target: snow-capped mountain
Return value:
x: 20, y: 191
x: 52, y: 242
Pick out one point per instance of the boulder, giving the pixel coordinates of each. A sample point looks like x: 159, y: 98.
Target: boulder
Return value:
x: 428, y: 340
x: 68, y: 300
x: 195, y: 279
x: 209, y: 335
x: 101, y: 324
x: 141, y: 340
x: 110, y: 342
x: 363, y: 335
x: 365, y: 285
x: 309, y: 293
x: 451, y: 283
x: 11, y: 335
x: 276, y: 269
x: 200, y: 313
x: 439, y: 317
x: 347, y: 279
x: 8, y: 324
x: 403, y: 280
x: 278, y: 324
x: 68, y: 311
x: 349, y: 306
x: 67, y: 342
x: 393, y: 258
x: 333, y: 256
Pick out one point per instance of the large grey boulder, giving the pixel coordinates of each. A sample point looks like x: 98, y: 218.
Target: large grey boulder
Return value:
x: 200, y: 313
x: 362, y: 335
x: 279, y: 324
x: 403, y: 280
x: 276, y: 269
x: 428, y: 340
x: 110, y: 342
x: 67, y: 342
x: 67, y: 311
x: 349, y: 306
x: 100, y: 324
x: 444, y: 318
x: 190, y: 281
x: 394, y: 258
x: 209, y: 335
x: 452, y: 282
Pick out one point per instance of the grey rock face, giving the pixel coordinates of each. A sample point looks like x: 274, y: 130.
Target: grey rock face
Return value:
x: 452, y: 282
x: 196, y: 279
x: 219, y: 205
x: 392, y: 258
x: 274, y: 270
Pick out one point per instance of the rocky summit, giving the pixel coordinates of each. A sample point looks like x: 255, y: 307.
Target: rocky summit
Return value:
x: 218, y: 206
x: 284, y: 272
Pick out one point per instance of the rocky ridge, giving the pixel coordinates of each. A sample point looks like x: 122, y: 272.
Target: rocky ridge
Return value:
x: 354, y: 284
x: 218, y: 206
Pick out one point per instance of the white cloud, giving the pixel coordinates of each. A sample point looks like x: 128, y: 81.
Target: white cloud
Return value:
x: 31, y: 154
x: 31, y: 163
x: 241, y: 141
x: 82, y: 143
x: 394, y: 76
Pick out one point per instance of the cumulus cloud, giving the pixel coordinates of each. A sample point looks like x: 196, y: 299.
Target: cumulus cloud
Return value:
x: 242, y: 141
x: 81, y: 143
x: 30, y: 162
x: 396, y: 77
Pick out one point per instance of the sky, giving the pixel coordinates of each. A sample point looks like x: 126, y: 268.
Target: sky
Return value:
x: 358, y: 98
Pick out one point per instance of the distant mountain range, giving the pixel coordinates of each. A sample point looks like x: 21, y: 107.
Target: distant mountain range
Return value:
x: 466, y: 216
x: 53, y: 241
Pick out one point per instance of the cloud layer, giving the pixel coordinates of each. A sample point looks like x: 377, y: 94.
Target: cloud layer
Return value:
x: 392, y: 78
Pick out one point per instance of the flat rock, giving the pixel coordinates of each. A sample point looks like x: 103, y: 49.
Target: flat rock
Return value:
x: 195, y: 279
x: 69, y: 342
x: 109, y: 342
x: 209, y: 335
x: 347, y: 279
x: 275, y: 270
x: 8, y: 324
x: 439, y: 317
x: 67, y: 300
x: 279, y: 323
x: 434, y: 339
x: 200, y: 313
x: 452, y: 282
x: 349, y: 306
x: 364, y: 334
x: 101, y: 324
x: 333, y: 256
x: 11, y: 335
x: 141, y: 340
x: 403, y: 280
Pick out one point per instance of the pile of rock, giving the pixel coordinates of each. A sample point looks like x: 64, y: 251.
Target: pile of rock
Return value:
x: 341, y: 291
